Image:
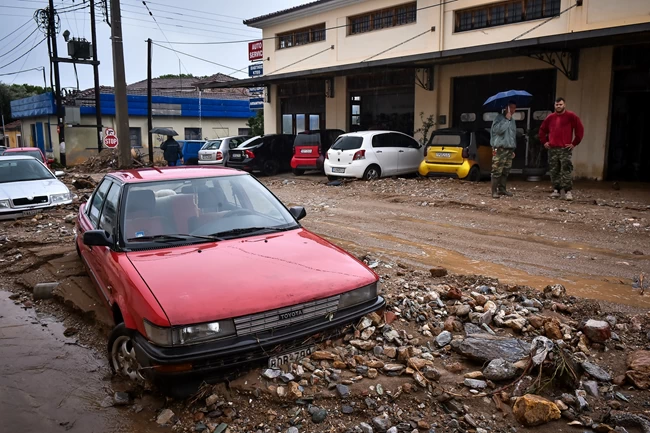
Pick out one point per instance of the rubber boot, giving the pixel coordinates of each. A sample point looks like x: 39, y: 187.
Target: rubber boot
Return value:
x: 495, y: 187
x: 502, y: 187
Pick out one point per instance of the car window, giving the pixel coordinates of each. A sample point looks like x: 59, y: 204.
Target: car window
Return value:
x: 405, y: 141
x: 348, y: 142
x: 108, y: 219
x: 446, y: 140
x: 382, y: 140
x: 33, y: 153
x: 234, y: 142
x: 212, y: 145
x: 22, y: 170
x: 332, y: 136
x: 312, y: 139
x: 252, y: 143
x: 98, y: 201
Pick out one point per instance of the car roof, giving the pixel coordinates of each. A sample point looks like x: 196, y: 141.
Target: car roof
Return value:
x: 16, y: 158
x: 158, y: 174
x: 371, y: 133
x: 22, y: 149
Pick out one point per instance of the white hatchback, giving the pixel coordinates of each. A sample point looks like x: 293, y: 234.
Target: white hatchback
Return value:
x: 370, y: 155
x: 216, y: 151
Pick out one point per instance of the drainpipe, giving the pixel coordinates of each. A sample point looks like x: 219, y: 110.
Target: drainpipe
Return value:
x: 441, y: 40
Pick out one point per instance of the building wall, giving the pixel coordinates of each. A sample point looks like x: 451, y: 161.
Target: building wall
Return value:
x: 11, y: 139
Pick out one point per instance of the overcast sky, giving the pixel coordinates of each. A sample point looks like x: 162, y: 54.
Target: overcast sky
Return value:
x: 194, y: 21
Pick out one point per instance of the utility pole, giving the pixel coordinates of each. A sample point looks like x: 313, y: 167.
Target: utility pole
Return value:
x: 149, y: 104
x: 98, y: 108
x: 121, y: 107
x: 60, y: 109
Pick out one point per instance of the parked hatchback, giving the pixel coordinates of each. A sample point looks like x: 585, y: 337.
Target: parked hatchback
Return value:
x: 309, y: 149
x: 190, y: 149
x: 152, y: 240
x: 215, y: 152
x: 370, y: 155
x: 457, y: 153
x: 268, y: 154
x: 34, y: 152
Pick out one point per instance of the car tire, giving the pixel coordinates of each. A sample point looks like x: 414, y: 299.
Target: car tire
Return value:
x: 298, y: 172
x: 373, y: 172
x: 270, y: 167
x: 121, y: 354
x: 331, y: 178
x: 474, y: 174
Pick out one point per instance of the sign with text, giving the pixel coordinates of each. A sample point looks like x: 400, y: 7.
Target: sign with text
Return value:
x: 256, y: 103
x: 256, y: 50
x: 256, y: 70
x: 256, y: 90
x: 110, y: 139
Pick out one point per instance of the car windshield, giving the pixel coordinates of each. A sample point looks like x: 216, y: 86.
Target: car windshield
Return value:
x: 251, y: 143
x: 199, y: 210
x: 348, y: 142
x: 33, y: 153
x: 22, y: 170
x: 212, y: 145
x: 447, y: 140
x: 312, y: 139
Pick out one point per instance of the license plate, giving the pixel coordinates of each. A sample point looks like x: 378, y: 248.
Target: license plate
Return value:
x: 289, y: 357
x: 31, y: 212
x: 305, y: 150
x: 206, y: 156
x: 338, y: 170
x: 236, y: 156
x: 443, y: 155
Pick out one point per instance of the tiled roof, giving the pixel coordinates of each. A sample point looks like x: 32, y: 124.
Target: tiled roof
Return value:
x: 15, y: 125
x: 285, y: 11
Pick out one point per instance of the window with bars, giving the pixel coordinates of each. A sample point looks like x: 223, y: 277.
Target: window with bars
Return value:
x: 384, y: 18
x: 303, y: 36
x: 508, y: 12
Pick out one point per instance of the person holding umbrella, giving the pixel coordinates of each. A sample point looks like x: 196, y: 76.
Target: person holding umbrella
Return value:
x: 503, y: 139
x: 171, y: 151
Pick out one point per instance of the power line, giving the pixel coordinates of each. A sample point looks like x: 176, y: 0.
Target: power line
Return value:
x: 20, y: 27
x: 24, y: 70
x: 397, y: 45
x: 32, y: 49
x: 165, y: 36
x: 198, y: 58
x: 20, y: 43
x: 25, y: 61
x: 545, y: 21
x: 211, y: 32
x: 277, y: 37
x: 175, y: 8
x: 301, y: 60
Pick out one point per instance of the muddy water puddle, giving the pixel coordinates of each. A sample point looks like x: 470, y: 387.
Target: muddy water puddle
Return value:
x: 48, y: 383
x: 612, y: 289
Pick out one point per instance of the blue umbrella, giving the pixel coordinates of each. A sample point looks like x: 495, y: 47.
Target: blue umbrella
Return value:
x: 501, y: 99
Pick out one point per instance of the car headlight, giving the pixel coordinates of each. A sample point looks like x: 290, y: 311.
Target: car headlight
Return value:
x: 4, y: 204
x: 58, y: 198
x: 185, y: 335
x: 358, y: 296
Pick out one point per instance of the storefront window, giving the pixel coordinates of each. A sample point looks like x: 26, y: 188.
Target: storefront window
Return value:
x: 287, y: 124
x: 314, y: 122
x: 300, y: 123
x: 508, y: 12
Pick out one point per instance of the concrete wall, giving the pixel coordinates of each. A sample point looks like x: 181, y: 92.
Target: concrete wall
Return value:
x: 336, y: 108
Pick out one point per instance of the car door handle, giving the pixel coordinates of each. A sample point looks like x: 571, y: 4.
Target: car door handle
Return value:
x: 379, y: 151
x: 401, y: 151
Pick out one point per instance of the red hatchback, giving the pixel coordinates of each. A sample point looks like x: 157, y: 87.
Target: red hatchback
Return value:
x: 309, y: 149
x: 29, y: 151
x: 203, y: 269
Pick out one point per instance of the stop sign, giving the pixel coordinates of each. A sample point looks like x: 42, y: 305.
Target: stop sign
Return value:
x: 110, y: 139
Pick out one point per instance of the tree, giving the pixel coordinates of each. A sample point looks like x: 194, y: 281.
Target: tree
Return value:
x: 256, y: 124
x: 426, y: 128
x: 177, y: 76
x: 14, y: 92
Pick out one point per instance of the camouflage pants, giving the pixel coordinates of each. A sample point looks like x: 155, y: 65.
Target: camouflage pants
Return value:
x: 502, y: 162
x: 561, y: 168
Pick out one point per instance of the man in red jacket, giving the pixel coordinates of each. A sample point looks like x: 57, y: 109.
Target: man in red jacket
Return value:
x: 561, y: 132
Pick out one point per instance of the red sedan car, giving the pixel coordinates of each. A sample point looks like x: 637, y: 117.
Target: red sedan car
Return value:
x: 29, y: 151
x: 203, y: 268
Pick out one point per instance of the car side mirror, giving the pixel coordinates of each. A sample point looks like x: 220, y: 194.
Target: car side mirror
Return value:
x: 59, y: 173
x: 50, y: 160
x: 298, y: 212
x: 98, y: 238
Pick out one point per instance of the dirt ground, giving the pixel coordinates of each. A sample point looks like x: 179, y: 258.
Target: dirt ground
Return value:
x: 596, y: 246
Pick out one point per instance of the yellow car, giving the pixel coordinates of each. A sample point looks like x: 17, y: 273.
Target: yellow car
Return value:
x: 459, y: 154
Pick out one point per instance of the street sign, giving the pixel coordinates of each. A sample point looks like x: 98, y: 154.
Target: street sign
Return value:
x: 256, y: 91
x: 256, y: 103
x: 110, y: 139
x: 255, y: 50
x: 256, y: 70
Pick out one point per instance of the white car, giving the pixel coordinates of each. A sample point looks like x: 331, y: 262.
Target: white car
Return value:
x: 216, y: 151
x: 370, y: 155
x: 27, y: 187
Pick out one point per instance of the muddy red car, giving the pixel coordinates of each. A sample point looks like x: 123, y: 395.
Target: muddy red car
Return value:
x: 204, y: 269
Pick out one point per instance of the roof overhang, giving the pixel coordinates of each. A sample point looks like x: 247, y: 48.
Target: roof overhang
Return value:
x: 636, y: 33
x: 298, y: 12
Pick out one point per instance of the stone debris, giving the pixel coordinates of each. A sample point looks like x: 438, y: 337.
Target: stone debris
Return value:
x: 532, y: 410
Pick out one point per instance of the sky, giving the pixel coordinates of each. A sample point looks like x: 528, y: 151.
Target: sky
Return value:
x: 195, y: 21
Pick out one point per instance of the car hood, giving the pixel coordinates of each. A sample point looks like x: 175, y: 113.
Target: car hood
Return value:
x: 32, y: 188
x: 214, y: 281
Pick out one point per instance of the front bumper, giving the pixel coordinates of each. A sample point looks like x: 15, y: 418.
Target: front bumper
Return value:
x: 28, y: 211
x: 209, y: 359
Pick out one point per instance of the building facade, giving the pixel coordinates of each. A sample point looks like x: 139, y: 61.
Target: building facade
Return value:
x: 361, y: 64
x: 194, y: 115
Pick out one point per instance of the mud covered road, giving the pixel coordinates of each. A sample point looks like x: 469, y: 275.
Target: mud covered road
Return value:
x: 596, y: 245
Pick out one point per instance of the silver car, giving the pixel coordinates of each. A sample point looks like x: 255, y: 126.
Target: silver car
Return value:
x: 27, y: 187
x: 216, y: 151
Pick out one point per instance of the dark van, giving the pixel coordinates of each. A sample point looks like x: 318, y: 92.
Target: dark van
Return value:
x: 268, y: 154
x: 310, y: 148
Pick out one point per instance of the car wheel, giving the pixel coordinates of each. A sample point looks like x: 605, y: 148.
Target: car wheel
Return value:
x: 270, y: 167
x: 298, y: 172
x: 121, y: 354
x: 373, y: 172
x: 331, y: 178
x: 474, y: 174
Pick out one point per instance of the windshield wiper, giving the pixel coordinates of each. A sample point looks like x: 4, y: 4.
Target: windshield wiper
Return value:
x: 249, y: 230
x: 172, y: 238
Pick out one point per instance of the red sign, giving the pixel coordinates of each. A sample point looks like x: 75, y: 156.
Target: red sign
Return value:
x: 110, y: 139
x: 256, y: 50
